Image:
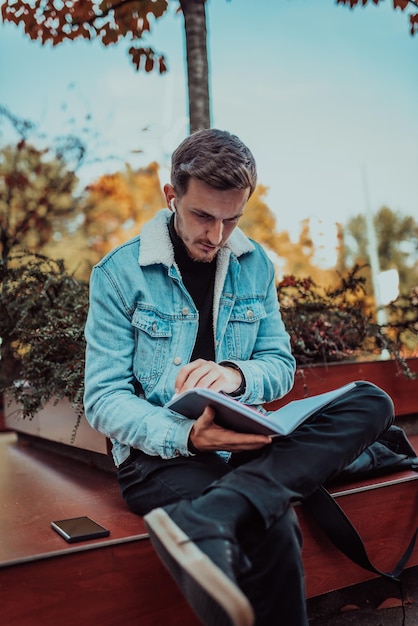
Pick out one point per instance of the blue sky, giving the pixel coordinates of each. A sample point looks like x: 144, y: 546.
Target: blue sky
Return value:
x: 325, y: 97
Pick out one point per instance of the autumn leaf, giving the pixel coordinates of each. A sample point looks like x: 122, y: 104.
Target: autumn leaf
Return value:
x: 349, y: 607
x: 162, y: 67
x: 400, y: 4
x: 391, y: 603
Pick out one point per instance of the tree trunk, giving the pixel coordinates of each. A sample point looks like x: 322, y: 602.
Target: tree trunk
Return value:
x: 197, y: 63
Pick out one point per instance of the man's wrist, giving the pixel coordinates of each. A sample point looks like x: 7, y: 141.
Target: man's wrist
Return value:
x: 241, y: 389
x: 191, y: 448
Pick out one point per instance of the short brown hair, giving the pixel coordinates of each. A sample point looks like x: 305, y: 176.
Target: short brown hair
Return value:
x: 215, y: 157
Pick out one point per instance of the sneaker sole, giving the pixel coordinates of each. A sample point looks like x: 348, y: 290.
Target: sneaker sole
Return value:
x: 216, y: 600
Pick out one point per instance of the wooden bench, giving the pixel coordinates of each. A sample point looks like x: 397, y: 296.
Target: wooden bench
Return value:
x: 91, y: 582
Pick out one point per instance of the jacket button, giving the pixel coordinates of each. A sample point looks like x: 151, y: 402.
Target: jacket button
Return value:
x: 177, y: 360
x: 250, y: 314
x: 185, y: 310
x: 154, y: 327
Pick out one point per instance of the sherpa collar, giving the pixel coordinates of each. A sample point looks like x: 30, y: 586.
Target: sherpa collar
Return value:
x: 156, y: 246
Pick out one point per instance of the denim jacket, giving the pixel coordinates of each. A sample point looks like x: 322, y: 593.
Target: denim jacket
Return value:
x: 141, y: 328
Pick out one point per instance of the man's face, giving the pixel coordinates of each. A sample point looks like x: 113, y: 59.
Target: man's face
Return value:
x: 205, y: 217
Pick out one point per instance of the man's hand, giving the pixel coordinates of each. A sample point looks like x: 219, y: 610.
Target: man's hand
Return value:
x: 206, y: 436
x: 209, y: 375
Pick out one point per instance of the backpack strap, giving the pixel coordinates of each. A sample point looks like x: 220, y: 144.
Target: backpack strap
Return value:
x: 336, y: 525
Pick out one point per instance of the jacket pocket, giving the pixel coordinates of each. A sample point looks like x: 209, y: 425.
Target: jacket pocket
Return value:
x: 153, y: 334
x: 243, y: 327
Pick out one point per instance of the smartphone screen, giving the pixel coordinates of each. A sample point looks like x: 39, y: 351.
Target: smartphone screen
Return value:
x: 79, y: 529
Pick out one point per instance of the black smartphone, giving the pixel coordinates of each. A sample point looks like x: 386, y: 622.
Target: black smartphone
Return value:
x: 79, y: 529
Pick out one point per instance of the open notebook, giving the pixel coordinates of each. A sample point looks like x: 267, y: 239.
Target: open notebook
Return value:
x: 234, y: 415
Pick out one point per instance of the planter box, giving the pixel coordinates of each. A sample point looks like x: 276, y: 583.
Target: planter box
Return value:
x: 55, y: 422
x: 314, y: 379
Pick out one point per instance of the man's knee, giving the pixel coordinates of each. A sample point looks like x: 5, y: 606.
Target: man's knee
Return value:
x: 378, y: 402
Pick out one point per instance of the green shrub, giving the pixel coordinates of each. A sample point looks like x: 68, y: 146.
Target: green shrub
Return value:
x: 44, y: 311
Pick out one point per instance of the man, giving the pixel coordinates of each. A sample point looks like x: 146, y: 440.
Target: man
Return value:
x: 191, y: 302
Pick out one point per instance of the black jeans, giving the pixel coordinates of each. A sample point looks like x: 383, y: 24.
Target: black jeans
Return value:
x: 289, y: 469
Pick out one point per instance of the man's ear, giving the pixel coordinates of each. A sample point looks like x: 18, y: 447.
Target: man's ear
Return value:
x: 170, y: 196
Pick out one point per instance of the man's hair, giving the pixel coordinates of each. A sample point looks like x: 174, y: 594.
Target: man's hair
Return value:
x: 215, y: 157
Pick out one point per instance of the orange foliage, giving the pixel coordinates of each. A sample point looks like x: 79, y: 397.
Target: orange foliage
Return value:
x: 119, y: 204
x: 296, y: 258
x: 258, y: 221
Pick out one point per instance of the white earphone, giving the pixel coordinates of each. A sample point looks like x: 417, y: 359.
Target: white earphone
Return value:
x: 172, y: 205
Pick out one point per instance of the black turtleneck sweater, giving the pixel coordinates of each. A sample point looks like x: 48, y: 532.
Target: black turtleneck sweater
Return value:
x: 199, y: 280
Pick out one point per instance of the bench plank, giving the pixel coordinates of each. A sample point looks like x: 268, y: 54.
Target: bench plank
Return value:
x: 123, y: 584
